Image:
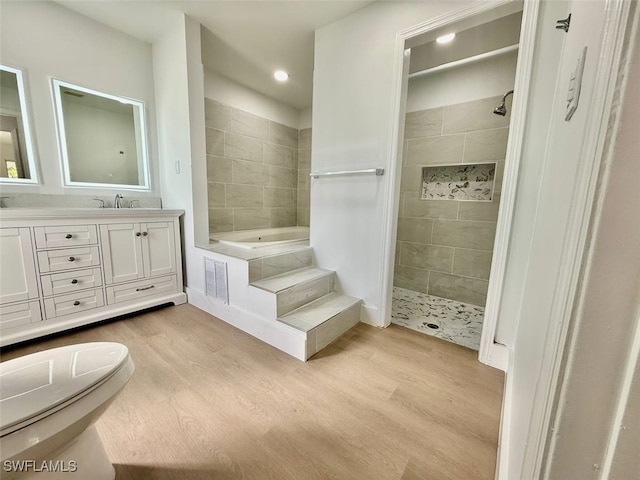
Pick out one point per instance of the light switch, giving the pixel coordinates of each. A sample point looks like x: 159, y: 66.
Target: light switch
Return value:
x: 575, y: 85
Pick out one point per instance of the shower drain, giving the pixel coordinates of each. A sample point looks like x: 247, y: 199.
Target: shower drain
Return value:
x: 433, y: 326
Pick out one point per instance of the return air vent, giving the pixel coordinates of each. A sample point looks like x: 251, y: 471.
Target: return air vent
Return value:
x: 215, y: 275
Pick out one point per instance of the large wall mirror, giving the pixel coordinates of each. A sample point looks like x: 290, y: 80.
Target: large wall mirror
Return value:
x: 16, y: 147
x: 102, y: 138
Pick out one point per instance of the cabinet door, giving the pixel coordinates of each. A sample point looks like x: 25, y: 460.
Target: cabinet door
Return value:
x: 17, y: 266
x: 159, y: 249
x: 122, y: 252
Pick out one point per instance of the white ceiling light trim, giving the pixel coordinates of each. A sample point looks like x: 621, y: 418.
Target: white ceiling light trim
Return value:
x: 281, y: 75
x: 446, y: 38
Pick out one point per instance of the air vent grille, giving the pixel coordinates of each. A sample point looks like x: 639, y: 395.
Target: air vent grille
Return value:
x: 215, y: 273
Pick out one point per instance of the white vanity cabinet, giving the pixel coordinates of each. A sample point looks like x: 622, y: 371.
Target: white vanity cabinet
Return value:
x: 62, y: 268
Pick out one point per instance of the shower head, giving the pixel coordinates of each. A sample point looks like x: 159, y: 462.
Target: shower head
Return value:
x: 501, y: 109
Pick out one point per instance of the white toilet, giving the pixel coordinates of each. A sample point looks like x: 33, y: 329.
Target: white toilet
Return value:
x: 49, y: 403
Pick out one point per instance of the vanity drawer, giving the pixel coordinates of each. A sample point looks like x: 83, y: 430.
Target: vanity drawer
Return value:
x: 138, y: 290
x: 73, y: 303
x: 66, y: 236
x: 67, y: 282
x: 19, y: 314
x: 68, y: 258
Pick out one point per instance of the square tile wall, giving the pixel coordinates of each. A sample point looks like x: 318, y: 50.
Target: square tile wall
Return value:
x: 445, y: 246
x: 252, y: 171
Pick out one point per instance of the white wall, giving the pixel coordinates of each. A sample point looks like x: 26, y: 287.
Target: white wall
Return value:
x: 228, y: 92
x: 47, y: 40
x: 487, y: 78
x: 352, y: 115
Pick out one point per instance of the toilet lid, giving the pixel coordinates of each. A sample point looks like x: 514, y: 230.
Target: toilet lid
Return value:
x: 38, y: 382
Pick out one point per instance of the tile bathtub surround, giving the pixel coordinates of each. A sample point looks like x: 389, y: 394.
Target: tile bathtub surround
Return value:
x: 252, y: 170
x: 304, y: 168
x: 445, y: 246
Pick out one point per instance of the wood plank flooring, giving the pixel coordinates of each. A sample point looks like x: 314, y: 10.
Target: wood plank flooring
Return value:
x: 208, y: 401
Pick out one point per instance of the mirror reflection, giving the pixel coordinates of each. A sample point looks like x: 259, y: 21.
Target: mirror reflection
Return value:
x: 15, y: 145
x: 102, y: 138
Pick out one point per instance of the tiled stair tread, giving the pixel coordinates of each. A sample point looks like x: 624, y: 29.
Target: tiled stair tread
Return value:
x: 301, y: 248
x: 315, y: 313
x: 289, y: 279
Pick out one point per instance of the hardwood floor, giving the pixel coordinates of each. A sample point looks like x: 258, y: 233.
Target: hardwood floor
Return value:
x: 208, y: 401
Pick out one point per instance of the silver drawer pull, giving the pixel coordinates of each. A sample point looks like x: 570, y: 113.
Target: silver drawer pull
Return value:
x: 144, y: 288
x: 72, y: 259
x: 74, y: 281
x: 76, y: 303
x: 68, y: 235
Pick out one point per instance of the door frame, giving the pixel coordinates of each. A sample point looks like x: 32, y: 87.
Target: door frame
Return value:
x: 490, y: 353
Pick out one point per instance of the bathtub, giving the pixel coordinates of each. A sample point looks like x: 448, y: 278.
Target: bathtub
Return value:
x: 263, y: 237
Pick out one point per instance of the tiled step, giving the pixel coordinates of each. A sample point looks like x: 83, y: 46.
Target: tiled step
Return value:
x: 324, y: 320
x: 297, y: 288
x: 280, y: 263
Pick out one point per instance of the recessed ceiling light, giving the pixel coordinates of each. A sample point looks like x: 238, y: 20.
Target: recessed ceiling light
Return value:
x: 281, y: 75
x: 446, y: 38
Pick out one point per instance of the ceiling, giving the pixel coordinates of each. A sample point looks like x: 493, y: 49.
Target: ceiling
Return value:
x: 242, y: 40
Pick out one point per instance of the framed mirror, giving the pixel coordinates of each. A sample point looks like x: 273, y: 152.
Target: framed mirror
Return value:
x: 17, y: 161
x: 103, y: 140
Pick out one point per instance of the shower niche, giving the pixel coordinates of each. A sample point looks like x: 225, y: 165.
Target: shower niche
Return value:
x: 474, y: 182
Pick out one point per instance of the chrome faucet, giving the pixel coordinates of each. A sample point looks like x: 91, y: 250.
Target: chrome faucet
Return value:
x: 117, y: 203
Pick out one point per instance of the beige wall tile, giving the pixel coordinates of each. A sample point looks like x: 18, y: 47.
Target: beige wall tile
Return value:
x: 302, y: 217
x: 278, y: 197
x: 250, y: 173
x: 282, y: 217
x: 429, y: 257
x: 242, y: 147
x: 216, y: 194
x: 435, y: 150
x: 250, y: 218
x: 217, y: 115
x: 424, y: 123
x: 283, y: 135
x: 486, y: 145
x: 278, y: 155
x: 416, y: 279
x: 472, y: 263
x: 464, y: 234
x: 462, y: 289
x: 214, y: 142
x: 304, y: 180
x: 411, y: 180
x: 243, y: 196
x: 219, y: 169
x: 251, y: 125
x: 480, y: 211
x: 285, y: 263
x: 417, y: 230
x: 429, y: 208
x: 282, y: 177
x: 474, y: 115
x: 499, y: 176
x: 303, y: 198
x: 304, y: 159
x: 220, y: 220
x: 304, y: 139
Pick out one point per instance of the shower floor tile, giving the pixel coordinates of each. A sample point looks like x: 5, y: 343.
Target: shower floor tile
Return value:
x: 460, y: 323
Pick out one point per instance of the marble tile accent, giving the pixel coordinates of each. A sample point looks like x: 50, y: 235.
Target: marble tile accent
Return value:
x: 474, y: 115
x: 282, y: 177
x: 472, y: 263
x: 424, y: 256
x: 414, y: 207
x: 319, y: 311
x: 249, y: 218
x: 220, y: 220
x: 435, y: 150
x: 216, y: 194
x: 464, y: 234
x: 242, y: 147
x: 219, y: 169
x: 336, y: 326
x: 416, y: 279
x: 486, y: 145
x: 304, y: 139
x: 282, y: 217
x: 463, y: 289
x: 215, y: 142
x: 459, y: 323
x: 423, y: 123
x: 243, y: 196
x: 217, y: 115
x: 250, y: 125
x: 283, y: 135
x: 250, y: 173
x: 290, y: 279
x: 480, y: 211
x: 411, y: 179
x: 278, y: 155
x: 303, y: 293
x: 415, y: 229
x: 286, y: 262
x: 458, y: 182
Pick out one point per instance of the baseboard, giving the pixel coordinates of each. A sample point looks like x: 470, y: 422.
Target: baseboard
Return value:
x: 498, y: 357
x: 502, y: 461
x: 369, y: 315
x: 276, y: 334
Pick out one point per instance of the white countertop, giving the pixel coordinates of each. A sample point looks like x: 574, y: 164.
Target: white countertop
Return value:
x: 23, y: 213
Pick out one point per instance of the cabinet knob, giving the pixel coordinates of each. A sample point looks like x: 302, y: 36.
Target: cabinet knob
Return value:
x: 144, y: 234
x: 68, y: 235
x: 72, y: 259
x: 74, y: 281
x: 76, y: 303
x: 137, y: 234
